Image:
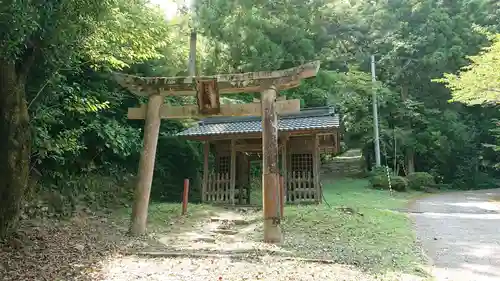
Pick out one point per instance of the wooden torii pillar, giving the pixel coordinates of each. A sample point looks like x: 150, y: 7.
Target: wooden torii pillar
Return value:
x: 207, y: 89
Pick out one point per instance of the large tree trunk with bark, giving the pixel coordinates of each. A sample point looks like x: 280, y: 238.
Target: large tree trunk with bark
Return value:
x: 15, y: 144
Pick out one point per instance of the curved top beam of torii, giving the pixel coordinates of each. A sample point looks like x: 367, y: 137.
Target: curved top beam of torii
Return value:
x: 226, y: 83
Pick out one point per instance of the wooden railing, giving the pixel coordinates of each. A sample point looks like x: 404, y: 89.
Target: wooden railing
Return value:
x: 300, y: 188
x: 218, y: 188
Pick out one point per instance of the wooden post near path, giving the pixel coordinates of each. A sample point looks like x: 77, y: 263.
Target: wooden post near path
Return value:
x: 232, y: 172
x: 206, y: 152
x: 146, y: 166
x: 316, y: 168
x: 282, y: 197
x: 185, y: 197
x: 270, y: 169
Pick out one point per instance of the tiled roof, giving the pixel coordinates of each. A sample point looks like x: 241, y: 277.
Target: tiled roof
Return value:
x: 306, y: 119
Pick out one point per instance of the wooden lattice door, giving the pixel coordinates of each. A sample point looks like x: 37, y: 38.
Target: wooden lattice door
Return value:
x: 302, y: 162
x: 223, y: 164
x: 218, y: 186
x: 301, y: 183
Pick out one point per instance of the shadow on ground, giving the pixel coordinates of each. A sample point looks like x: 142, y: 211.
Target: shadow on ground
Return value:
x: 51, y: 249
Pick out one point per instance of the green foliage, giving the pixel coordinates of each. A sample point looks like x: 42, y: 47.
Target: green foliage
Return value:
x: 78, y: 119
x: 420, y: 180
x: 379, y: 171
x: 479, y: 82
x: 111, y: 33
x: 85, y: 126
x: 53, y: 28
x: 94, y: 192
x: 114, y: 43
x: 381, y: 181
x: 486, y: 181
x: 176, y: 160
x: 399, y: 183
x: 264, y: 35
x: 493, y: 148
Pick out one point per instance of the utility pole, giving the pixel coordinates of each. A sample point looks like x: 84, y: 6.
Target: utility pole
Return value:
x: 192, y: 42
x: 375, y: 115
x: 192, y: 54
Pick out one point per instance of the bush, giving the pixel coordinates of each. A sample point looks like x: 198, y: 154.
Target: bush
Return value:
x: 94, y: 191
x: 379, y: 171
x: 420, y: 180
x: 442, y: 186
x: 379, y: 181
x: 397, y: 183
x: 485, y: 181
x: 176, y: 160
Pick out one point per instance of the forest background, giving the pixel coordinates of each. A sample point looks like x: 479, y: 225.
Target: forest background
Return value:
x: 66, y: 142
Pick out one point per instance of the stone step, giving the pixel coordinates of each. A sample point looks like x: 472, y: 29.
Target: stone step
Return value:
x: 235, y: 221
x: 225, y: 231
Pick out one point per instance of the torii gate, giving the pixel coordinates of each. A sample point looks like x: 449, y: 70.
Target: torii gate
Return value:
x: 208, y: 90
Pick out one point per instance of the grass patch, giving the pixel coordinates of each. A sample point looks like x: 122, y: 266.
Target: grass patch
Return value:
x: 495, y: 198
x: 256, y: 193
x: 161, y: 216
x: 356, y: 193
x: 373, y: 237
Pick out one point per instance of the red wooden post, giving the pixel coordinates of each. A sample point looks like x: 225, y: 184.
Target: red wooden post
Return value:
x: 185, y: 196
x: 282, y: 196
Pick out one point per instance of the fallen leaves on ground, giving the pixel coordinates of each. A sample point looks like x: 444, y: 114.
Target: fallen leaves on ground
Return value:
x: 59, y: 250
x: 96, y: 248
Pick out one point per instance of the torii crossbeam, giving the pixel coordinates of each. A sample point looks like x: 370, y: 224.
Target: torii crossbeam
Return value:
x: 250, y: 82
x: 208, y: 89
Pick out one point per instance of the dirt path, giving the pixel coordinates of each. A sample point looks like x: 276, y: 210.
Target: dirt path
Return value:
x: 236, y: 253
x: 210, y: 244
x: 225, y: 235
x: 460, y: 232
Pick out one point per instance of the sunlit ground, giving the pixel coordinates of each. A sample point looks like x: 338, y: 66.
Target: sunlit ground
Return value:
x: 267, y: 268
x: 373, y: 243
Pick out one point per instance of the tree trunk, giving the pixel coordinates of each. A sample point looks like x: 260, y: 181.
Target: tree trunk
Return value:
x: 410, y: 160
x: 15, y: 144
x: 409, y: 152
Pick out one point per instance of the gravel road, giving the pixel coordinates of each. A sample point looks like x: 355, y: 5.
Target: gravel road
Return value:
x: 460, y: 232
